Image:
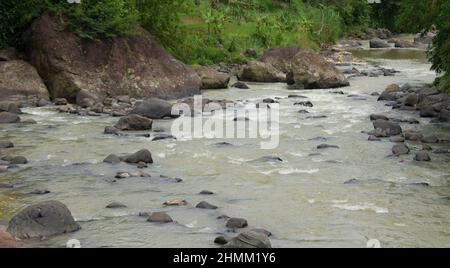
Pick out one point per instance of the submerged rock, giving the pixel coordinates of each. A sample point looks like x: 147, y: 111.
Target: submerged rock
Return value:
x: 235, y: 223
x: 141, y: 156
x: 240, y: 85
x: 205, y: 205
x: 159, y: 217
x: 6, y: 144
x: 115, y: 205
x: 327, y: 146
x: 43, y: 220
x: 9, y: 118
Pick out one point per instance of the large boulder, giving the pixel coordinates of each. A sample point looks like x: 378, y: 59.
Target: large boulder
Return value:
x: 154, y: 109
x: 21, y: 83
x: 212, y: 79
x: 281, y: 57
x: 310, y: 70
x: 43, y: 220
x: 133, y: 65
x: 134, y: 122
x: 256, y: 71
x: 387, y: 127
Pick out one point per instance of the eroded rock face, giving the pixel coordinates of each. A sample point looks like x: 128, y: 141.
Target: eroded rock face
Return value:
x: 20, y: 83
x: 136, y: 65
x: 43, y: 220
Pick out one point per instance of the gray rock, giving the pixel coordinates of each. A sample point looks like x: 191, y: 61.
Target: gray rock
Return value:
x: 422, y: 156
x: 305, y: 103
x: 112, y: 159
x: 397, y: 139
x: 249, y: 240
x: 205, y: 205
x: 221, y: 240
x: 235, y: 223
x: 134, y: 122
x: 160, y: 217
x: 411, y: 100
x: 60, y: 101
x: 9, y: 118
x: 6, y: 144
x: 43, y: 220
x: 141, y: 156
x: 378, y: 43
x: 19, y: 160
x: 412, y: 135
x: 240, y: 85
x: 206, y: 192
x: 400, y: 149
x: 374, y: 138
x: 374, y: 117
x: 154, y: 109
x: 390, y: 128
x: 327, y: 146
x: 111, y: 131
x: 430, y: 139
x: 115, y: 205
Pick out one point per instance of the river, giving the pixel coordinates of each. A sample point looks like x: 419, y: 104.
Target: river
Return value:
x: 303, y: 200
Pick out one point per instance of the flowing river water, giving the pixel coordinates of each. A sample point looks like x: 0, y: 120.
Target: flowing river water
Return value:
x: 303, y: 200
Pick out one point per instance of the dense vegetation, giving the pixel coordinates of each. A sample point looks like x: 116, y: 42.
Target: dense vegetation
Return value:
x: 212, y: 31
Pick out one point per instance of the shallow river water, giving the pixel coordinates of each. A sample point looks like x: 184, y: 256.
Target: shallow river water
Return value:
x: 303, y: 200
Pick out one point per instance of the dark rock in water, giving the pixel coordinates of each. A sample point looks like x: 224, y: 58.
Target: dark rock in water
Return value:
x: 134, y: 122
x: 60, y: 101
x: 305, y: 103
x: 269, y: 100
x: 235, y: 223
x: 428, y: 112
x: 373, y: 138
x: 375, y: 94
x: 316, y: 117
x: 293, y: 96
x: 221, y: 240
x: 430, y: 139
x: 338, y: 92
x: 9, y: 118
x: 115, y: 205
x: 111, y: 131
x: 86, y: 99
x: 400, y: 149
x: 389, y: 128
x: 444, y: 116
x: 327, y: 146
x: 154, y: 109
x: 206, y: 192
x: 426, y: 147
x: 6, y: 144
x: 223, y: 144
x: 249, y: 240
x: 144, y: 214
x: 163, y: 137
x: 397, y: 139
x: 411, y: 121
x: 420, y: 184
x: 11, y: 107
x: 6, y: 186
x: 262, y: 231
x: 268, y: 158
x: 422, y: 156
x: 141, y: 156
x: 303, y: 112
x: 160, y: 217
x: 374, y: 117
x: 211, y: 78
x: 112, y: 159
x: 39, y: 192
x: 19, y: 160
x: 43, y: 102
x: 323, y: 139
x: 223, y: 217
x: 240, y: 85
x: 205, y: 205
x: 43, y: 220
x: 412, y: 135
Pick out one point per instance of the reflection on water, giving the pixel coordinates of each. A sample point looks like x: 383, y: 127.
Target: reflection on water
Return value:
x: 417, y: 55
x: 303, y: 200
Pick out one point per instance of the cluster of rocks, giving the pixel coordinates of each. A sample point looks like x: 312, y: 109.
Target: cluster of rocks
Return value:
x: 426, y: 99
x: 8, y: 162
x: 375, y: 71
x: 299, y: 68
x: 385, y: 127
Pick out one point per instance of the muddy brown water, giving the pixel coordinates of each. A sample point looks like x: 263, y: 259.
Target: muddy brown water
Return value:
x: 303, y: 201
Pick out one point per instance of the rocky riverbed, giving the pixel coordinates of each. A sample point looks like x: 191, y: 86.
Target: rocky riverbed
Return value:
x: 346, y: 170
